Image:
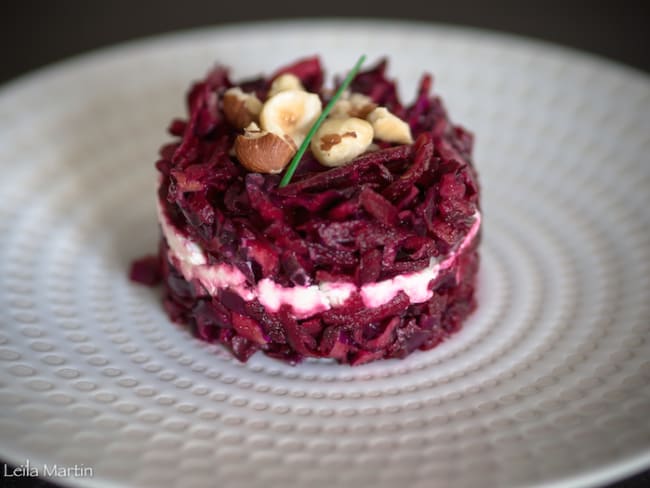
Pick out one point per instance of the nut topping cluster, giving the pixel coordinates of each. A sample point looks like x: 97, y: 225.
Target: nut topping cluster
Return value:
x: 275, y: 128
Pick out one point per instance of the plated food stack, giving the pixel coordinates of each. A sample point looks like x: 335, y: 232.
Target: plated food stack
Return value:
x: 370, y: 251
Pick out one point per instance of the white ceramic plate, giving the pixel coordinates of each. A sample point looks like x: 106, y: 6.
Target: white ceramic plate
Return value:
x: 547, y: 383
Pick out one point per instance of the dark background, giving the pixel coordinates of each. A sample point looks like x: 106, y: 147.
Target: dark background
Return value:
x: 36, y: 33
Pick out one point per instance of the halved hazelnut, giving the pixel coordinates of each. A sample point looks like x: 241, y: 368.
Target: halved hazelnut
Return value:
x: 339, y: 141
x: 263, y: 152
x: 388, y: 127
x: 285, y: 82
x: 241, y: 108
x: 353, y: 105
x: 291, y: 113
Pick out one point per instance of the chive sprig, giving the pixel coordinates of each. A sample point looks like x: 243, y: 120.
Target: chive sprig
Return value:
x: 293, y: 165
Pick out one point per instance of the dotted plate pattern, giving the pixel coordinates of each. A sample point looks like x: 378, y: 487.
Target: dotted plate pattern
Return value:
x: 547, y: 383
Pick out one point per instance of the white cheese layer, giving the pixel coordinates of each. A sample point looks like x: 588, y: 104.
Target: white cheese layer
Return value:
x: 304, y: 301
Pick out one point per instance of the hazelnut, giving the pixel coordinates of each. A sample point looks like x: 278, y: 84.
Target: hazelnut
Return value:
x: 339, y: 141
x: 260, y: 151
x: 291, y: 113
x: 353, y: 105
x: 388, y: 127
x: 285, y: 82
x: 241, y: 108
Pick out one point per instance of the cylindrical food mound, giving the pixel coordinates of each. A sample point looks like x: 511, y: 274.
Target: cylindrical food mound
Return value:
x: 372, y: 259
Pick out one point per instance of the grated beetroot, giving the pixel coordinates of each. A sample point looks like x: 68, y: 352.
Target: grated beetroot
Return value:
x: 386, y: 213
x: 146, y: 271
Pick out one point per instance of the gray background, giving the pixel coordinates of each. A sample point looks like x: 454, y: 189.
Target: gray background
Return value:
x: 36, y: 33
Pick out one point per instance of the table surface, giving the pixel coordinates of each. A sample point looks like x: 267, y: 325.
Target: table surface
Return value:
x: 36, y: 33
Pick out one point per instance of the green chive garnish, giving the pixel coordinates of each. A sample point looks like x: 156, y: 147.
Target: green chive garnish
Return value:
x: 328, y: 108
